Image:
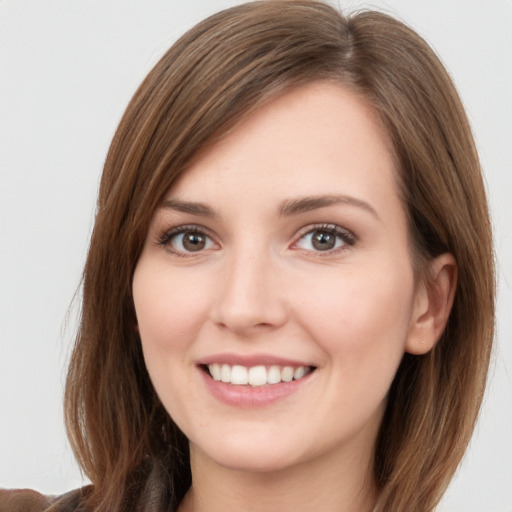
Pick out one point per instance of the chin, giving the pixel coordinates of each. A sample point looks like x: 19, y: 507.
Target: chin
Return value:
x: 250, y: 454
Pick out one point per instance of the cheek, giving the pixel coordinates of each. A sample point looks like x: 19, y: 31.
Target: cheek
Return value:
x: 362, y: 319
x: 169, y: 313
x: 169, y: 309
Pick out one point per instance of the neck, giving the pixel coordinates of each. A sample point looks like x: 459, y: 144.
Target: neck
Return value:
x: 323, y: 485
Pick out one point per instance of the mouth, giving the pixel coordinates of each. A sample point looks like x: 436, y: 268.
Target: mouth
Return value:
x: 255, y: 376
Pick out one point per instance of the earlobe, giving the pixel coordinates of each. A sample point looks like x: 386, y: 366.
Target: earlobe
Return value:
x: 433, y: 303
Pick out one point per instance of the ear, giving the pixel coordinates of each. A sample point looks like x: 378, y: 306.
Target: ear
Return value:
x: 433, y: 303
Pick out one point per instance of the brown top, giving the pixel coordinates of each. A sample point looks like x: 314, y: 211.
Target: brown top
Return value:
x: 153, y: 497
x: 27, y: 500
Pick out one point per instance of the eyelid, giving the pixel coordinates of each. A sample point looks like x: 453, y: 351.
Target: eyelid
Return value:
x: 165, y: 237
x: 349, y: 238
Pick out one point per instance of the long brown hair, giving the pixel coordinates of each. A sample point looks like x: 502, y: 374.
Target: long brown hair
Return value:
x: 216, y: 74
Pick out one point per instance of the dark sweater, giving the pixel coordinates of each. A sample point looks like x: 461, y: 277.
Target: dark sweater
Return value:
x: 27, y: 500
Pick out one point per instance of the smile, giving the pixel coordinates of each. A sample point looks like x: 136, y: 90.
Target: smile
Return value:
x: 260, y: 375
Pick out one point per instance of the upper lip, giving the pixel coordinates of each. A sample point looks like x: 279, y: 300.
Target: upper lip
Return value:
x: 249, y: 360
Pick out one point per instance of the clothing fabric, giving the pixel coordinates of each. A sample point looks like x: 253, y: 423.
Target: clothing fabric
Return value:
x: 28, y: 500
x: 152, y: 496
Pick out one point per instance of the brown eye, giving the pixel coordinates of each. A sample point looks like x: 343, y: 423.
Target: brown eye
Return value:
x: 323, y: 241
x: 193, y: 242
x: 186, y: 241
x: 325, y: 238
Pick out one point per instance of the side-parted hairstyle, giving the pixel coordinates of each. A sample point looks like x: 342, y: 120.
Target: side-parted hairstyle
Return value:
x: 208, y: 81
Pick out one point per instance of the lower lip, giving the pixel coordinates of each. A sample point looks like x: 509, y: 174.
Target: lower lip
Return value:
x: 249, y: 396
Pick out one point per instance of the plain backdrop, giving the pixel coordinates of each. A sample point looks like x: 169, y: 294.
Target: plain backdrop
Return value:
x: 67, y: 71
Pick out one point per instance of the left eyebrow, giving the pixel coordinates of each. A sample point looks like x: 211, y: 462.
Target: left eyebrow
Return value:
x: 306, y: 204
x: 189, y: 207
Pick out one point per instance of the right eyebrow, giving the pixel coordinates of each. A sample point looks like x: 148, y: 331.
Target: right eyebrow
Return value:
x: 189, y: 207
x: 306, y: 204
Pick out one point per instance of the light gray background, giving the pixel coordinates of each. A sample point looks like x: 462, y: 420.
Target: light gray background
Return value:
x: 67, y: 71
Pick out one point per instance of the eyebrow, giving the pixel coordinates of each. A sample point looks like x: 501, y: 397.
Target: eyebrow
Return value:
x: 306, y: 204
x: 288, y: 207
x: 189, y: 207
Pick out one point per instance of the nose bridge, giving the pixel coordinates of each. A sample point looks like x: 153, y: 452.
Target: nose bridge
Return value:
x: 249, y: 296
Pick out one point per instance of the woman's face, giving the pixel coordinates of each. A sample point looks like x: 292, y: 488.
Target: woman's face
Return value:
x: 275, y: 295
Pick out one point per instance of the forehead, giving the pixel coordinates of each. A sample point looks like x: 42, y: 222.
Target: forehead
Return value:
x: 316, y: 139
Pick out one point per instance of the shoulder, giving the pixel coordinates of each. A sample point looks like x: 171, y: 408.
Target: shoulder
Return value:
x: 27, y: 500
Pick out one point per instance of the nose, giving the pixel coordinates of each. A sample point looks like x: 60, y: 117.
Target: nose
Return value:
x: 250, y: 297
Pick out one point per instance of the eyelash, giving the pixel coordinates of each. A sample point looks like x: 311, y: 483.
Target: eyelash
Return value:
x: 347, y: 237
x: 166, y: 238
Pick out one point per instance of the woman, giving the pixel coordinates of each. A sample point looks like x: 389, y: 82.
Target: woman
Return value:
x: 289, y: 289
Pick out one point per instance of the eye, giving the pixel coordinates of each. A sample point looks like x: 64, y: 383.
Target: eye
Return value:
x: 187, y: 239
x: 325, y: 238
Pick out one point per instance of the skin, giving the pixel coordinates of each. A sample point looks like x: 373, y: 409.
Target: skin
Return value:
x: 260, y: 286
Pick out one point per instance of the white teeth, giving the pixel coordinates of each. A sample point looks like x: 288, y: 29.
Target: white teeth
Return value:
x: 274, y: 375
x: 256, y: 375
x: 287, y: 374
x: 299, y: 372
x: 225, y: 373
x: 239, y: 375
x: 215, y: 371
